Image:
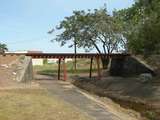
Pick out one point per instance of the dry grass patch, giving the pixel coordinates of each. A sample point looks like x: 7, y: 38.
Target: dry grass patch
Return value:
x: 25, y: 104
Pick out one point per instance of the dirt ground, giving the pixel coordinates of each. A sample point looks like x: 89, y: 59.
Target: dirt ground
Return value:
x: 129, y: 92
x: 7, y: 59
x: 6, y: 70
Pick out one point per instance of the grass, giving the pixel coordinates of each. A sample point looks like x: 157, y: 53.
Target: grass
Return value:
x: 28, y: 104
x: 83, y: 66
x: 151, y: 115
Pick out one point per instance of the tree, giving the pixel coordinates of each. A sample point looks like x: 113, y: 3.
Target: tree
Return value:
x: 141, y: 24
x: 92, y: 29
x: 3, y: 48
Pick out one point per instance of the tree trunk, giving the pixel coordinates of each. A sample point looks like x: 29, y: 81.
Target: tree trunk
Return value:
x: 105, y: 62
x: 75, y: 58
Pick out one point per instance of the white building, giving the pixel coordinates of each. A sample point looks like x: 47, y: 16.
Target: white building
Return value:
x: 34, y: 61
x: 52, y: 61
x: 39, y: 61
x: 56, y: 60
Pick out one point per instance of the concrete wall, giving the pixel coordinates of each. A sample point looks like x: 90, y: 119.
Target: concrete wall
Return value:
x: 25, y: 70
x: 40, y: 61
x: 37, y: 61
x: 128, y: 66
x: 56, y: 60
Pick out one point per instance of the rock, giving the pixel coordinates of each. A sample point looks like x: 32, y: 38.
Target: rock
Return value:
x: 146, y: 77
x: 5, y: 65
x: 14, y: 73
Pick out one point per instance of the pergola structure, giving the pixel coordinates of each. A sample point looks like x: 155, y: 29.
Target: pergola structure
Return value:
x: 62, y: 56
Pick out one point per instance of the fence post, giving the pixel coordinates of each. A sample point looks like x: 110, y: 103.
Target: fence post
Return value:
x: 64, y: 70
x: 59, y: 68
x: 98, y: 68
x: 90, y: 74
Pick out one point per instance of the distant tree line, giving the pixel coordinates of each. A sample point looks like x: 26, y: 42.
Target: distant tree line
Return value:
x: 3, y: 48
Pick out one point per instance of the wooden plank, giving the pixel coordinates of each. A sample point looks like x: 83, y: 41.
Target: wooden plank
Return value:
x: 67, y: 55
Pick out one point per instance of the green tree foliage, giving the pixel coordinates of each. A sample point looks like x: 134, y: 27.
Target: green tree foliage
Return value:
x: 45, y: 61
x: 3, y: 48
x: 89, y: 29
x: 92, y: 29
x: 141, y: 24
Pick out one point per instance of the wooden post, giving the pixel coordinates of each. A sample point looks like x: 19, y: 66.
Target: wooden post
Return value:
x: 98, y: 68
x: 90, y: 74
x: 75, y: 63
x: 64, y: 70
x: 59, y: 68
x: 75, y: 57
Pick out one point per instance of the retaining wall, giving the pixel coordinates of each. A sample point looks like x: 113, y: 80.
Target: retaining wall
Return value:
x: 24, y: 70
x: 128, y: 66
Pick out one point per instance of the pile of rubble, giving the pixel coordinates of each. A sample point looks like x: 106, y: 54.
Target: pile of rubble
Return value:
x: 16, y: 70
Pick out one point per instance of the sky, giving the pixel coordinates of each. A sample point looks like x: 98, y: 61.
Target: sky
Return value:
x: 24, y: 23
